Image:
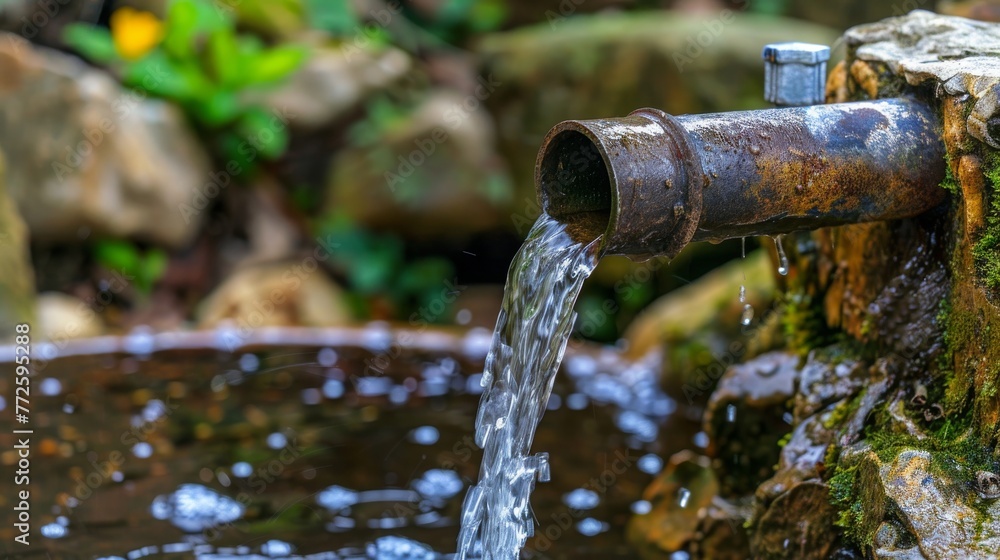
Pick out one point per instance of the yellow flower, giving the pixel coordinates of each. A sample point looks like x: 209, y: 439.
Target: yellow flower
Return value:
x: 135, y: 32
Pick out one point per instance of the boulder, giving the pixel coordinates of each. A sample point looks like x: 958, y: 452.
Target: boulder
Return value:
x: 93, y: 156
x: 433, y: 175
x: 334, y: 81
x: 277, y: 294
x: 65, y: 317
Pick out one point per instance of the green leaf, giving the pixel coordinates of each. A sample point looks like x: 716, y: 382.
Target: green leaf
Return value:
x: 275, y: 64
x: 186, y: 19
x: 336, y: 17
x: 224, y: 54
x: 94, y: 43
x: 161, y: 76
x: 264, y: 132
x: 153, y: 266
x: 219, y: 109
x: 119, y: 255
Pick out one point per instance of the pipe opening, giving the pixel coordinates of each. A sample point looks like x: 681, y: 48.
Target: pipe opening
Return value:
x: 575, y: 184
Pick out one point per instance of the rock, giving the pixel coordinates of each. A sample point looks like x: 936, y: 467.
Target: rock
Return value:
x: 805, y: 513
x: 802, y: 458
x: 93, y: 157
x: 607, y: 65
x: 17, y: 283
x: 276, y: 294
x: 64, y: 317
x: 429, y: 177
x: 745, y: 419
x: 821, y: 383
x: 334, y: 81
x: 916, y: 510
x: 679, y: 496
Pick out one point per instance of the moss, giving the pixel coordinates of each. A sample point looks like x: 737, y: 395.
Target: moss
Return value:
x: 986, y: 250
x: 857, y: 494
x: 950, y: 183
x: 803, y: 324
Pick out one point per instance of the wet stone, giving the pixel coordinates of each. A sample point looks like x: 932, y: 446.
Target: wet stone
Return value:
x: 746, y: 418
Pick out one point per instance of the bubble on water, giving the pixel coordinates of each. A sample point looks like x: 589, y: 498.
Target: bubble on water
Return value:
x: 142, y: 450
x: 277, y: 440
x: 153, y: 411
x: 683, y: 496
x: 638, y: 425
x: 336, y: 498
x: 581, y: 366
x: 590, y: 527
x: 249, y: 363
x: 333, y: 389
x: 650, y: 463
x: 242, y: 469
x: 275, y: 548
x: 327, y: 357
x: 194, y: 508
x: 50, y: 387
x: 438, y: 483
x: 373, y: 386
x: 53, y: 531
x: 701, y: 439
x: 641, y: 507
x: 581, y: 498
x: 577, y: 401
x: 399, y: 548
x: 747, y: 316
x: 425, y: 435
x: 555, y: 401
x: 398, y: 395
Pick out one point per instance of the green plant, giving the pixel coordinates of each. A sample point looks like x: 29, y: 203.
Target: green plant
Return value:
x: 376, y: 269
x: 141, y: 268
x: 196, y: 58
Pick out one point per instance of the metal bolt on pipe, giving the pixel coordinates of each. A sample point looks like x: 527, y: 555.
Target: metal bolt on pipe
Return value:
x: 650, y: 183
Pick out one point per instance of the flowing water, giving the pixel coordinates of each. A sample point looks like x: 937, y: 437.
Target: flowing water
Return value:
x: 528, y: 345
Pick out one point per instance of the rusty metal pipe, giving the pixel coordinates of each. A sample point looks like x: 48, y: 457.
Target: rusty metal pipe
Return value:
x: 651, y: 183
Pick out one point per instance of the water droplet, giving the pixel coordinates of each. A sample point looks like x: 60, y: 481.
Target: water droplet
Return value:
x: 641, y: 507
x: 50, y: 387
x: 142, y: 450
x: 679, y: 209
x: 590, y: 527
x: 683, y: 496
x: 782, y: 257
x: 743, y: 294
x: 730, y: 413
x: 275, y: 548
x: 747, y: 315
x: 799, y: 188
x: 53, y: 531
x: 277, y: 440
x: 249, y: 363
x: 242, y: 469
x: 581, y: 498
x: 425, y: 435
x: 650, y: 463
x: 755, y: 150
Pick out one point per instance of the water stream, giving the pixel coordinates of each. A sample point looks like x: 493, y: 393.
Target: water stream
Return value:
x: 528, y: 345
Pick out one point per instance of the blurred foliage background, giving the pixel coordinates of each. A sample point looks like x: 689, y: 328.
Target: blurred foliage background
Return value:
x: 183, y: 163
